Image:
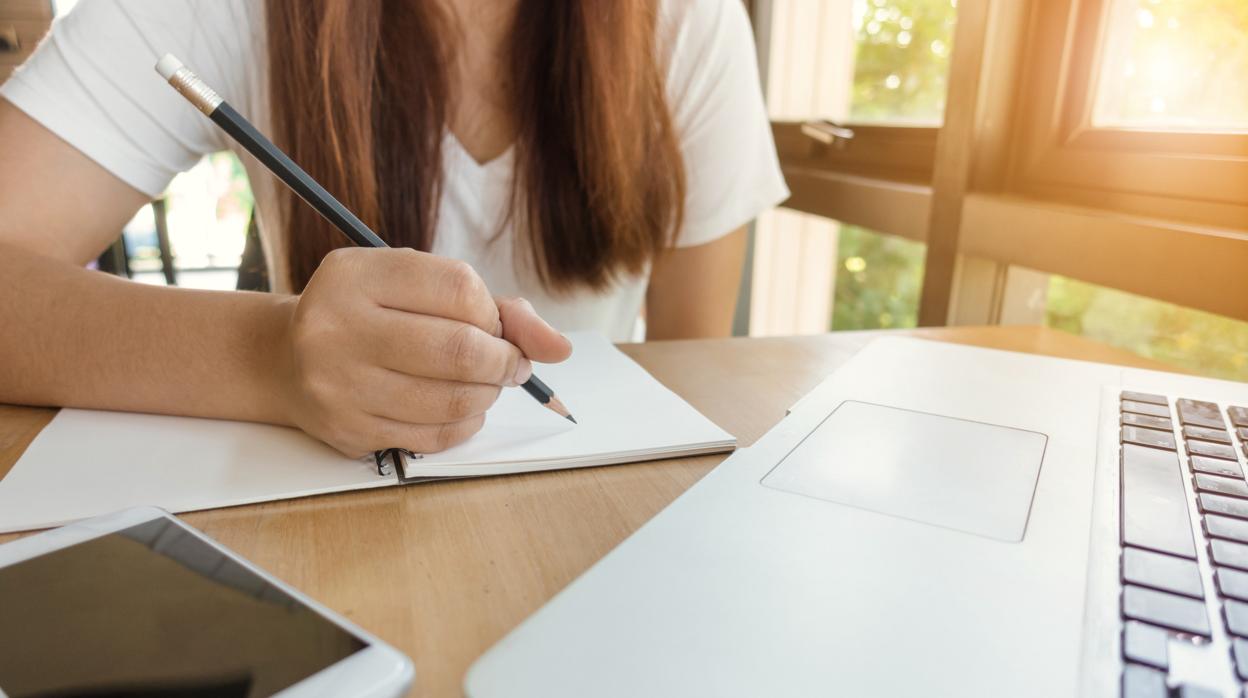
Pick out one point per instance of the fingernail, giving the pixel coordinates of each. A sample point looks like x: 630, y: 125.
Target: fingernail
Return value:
x: 524, y: 369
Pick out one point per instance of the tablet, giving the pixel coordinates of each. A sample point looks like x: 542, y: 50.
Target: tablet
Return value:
x: 137, y: 603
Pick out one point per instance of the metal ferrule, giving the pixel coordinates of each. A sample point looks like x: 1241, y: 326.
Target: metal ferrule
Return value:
x: 197, y: 91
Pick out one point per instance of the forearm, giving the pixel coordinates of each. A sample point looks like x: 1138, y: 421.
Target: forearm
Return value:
x: 77, y: 338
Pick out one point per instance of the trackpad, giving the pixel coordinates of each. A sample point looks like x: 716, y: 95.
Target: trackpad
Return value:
x: 969, y: 476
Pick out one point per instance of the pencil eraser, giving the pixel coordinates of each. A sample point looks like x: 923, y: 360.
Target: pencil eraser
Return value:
x: 168, y: 65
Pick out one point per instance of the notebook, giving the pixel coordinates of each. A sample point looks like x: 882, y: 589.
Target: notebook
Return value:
x: 87, y: 462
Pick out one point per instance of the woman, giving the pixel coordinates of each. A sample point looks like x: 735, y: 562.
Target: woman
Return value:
x: 587, y: 156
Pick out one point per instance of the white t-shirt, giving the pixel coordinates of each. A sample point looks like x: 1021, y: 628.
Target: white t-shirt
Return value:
x: 93, y: 84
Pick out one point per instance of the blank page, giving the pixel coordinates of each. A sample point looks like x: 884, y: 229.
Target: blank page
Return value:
x: 86, y: 462
x: 623, y: 414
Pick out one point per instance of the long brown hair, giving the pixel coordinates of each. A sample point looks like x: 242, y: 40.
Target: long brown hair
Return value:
x: 361, y: 93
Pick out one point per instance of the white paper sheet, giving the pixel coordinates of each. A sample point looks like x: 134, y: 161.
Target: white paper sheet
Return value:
x: 86, y: 463
x: 623, y: 414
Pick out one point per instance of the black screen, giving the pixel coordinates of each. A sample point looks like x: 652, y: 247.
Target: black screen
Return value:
x: 154, y: 611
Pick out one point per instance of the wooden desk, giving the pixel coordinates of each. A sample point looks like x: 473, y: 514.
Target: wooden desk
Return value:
x: 443, y: 570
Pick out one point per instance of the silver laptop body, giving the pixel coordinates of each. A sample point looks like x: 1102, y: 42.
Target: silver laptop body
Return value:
x: 932, y: 520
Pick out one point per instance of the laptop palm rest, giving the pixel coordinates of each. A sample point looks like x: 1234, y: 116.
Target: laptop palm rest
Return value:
x: 969, y: 476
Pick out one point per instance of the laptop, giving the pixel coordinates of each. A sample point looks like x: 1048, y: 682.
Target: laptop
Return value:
x: 933, y: 520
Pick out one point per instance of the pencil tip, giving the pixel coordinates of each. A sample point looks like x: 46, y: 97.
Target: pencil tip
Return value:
x: 556, y: 405
x: 571, y: 419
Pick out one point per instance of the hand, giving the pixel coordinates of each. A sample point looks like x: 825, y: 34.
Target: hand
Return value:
x: 398, y: 348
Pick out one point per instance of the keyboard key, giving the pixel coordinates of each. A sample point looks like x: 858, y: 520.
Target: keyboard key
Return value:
x: 1167, y: 610
x: 1145, y: 397
x: 1218, y: 504
x: 1238, y: 415
x: 1215, y: 466
x: 1211, y: 450
x: 1154, y: 503
x: 1242, y: 431
x: 1188, y: 690
x: 1222, y: 527
x: 1229, y: 553
x: 1146, y: 644
x: 1236, y: 617
x: 1232, y: 583
x: 1147, y: 421
x: 1139, y: 681
x: 1145, y: 408
x: 1240, y: 649
x: 1222, y: 485
x: 1147, y: 437
x: 1206, y: 434
x: 1199, y: 413
x: 1164, y: 572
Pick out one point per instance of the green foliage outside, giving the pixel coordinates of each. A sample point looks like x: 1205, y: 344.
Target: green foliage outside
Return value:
x: 901, y: 64
x: 878, y: 279
x: 1201, y: 342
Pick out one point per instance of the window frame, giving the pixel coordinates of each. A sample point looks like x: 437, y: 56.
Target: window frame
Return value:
x: 1059, y: 154
x: 898, y: 153
x: 1158, y: 213
x: 880, y: 179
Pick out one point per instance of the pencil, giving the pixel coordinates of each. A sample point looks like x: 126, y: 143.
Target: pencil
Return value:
x: 206, y: 100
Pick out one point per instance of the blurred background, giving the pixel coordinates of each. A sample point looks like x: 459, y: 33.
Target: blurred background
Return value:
x: 1081, y: 165
x: 1163, y: 65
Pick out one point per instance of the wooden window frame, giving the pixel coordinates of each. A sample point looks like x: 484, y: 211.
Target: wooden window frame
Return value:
x: 1059, y: 154
x: 880, y: 179
x: 897, y: 153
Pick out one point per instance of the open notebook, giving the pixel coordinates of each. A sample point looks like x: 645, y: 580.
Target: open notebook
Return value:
x: 86, y: 463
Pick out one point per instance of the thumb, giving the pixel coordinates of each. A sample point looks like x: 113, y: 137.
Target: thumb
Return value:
x: 536, y: 339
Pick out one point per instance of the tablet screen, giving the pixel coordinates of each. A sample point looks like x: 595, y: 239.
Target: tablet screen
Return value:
x: 152, y: 610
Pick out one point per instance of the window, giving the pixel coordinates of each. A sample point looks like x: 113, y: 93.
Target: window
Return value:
x: 1145, y: 117
x: 1132, y: 106
x: 879, y: 66
x: 880, y: 69
x: 208, y: 209
x: 1058, y: 161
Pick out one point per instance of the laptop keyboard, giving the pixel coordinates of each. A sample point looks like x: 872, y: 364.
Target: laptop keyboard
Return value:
x: 1164, y: 598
